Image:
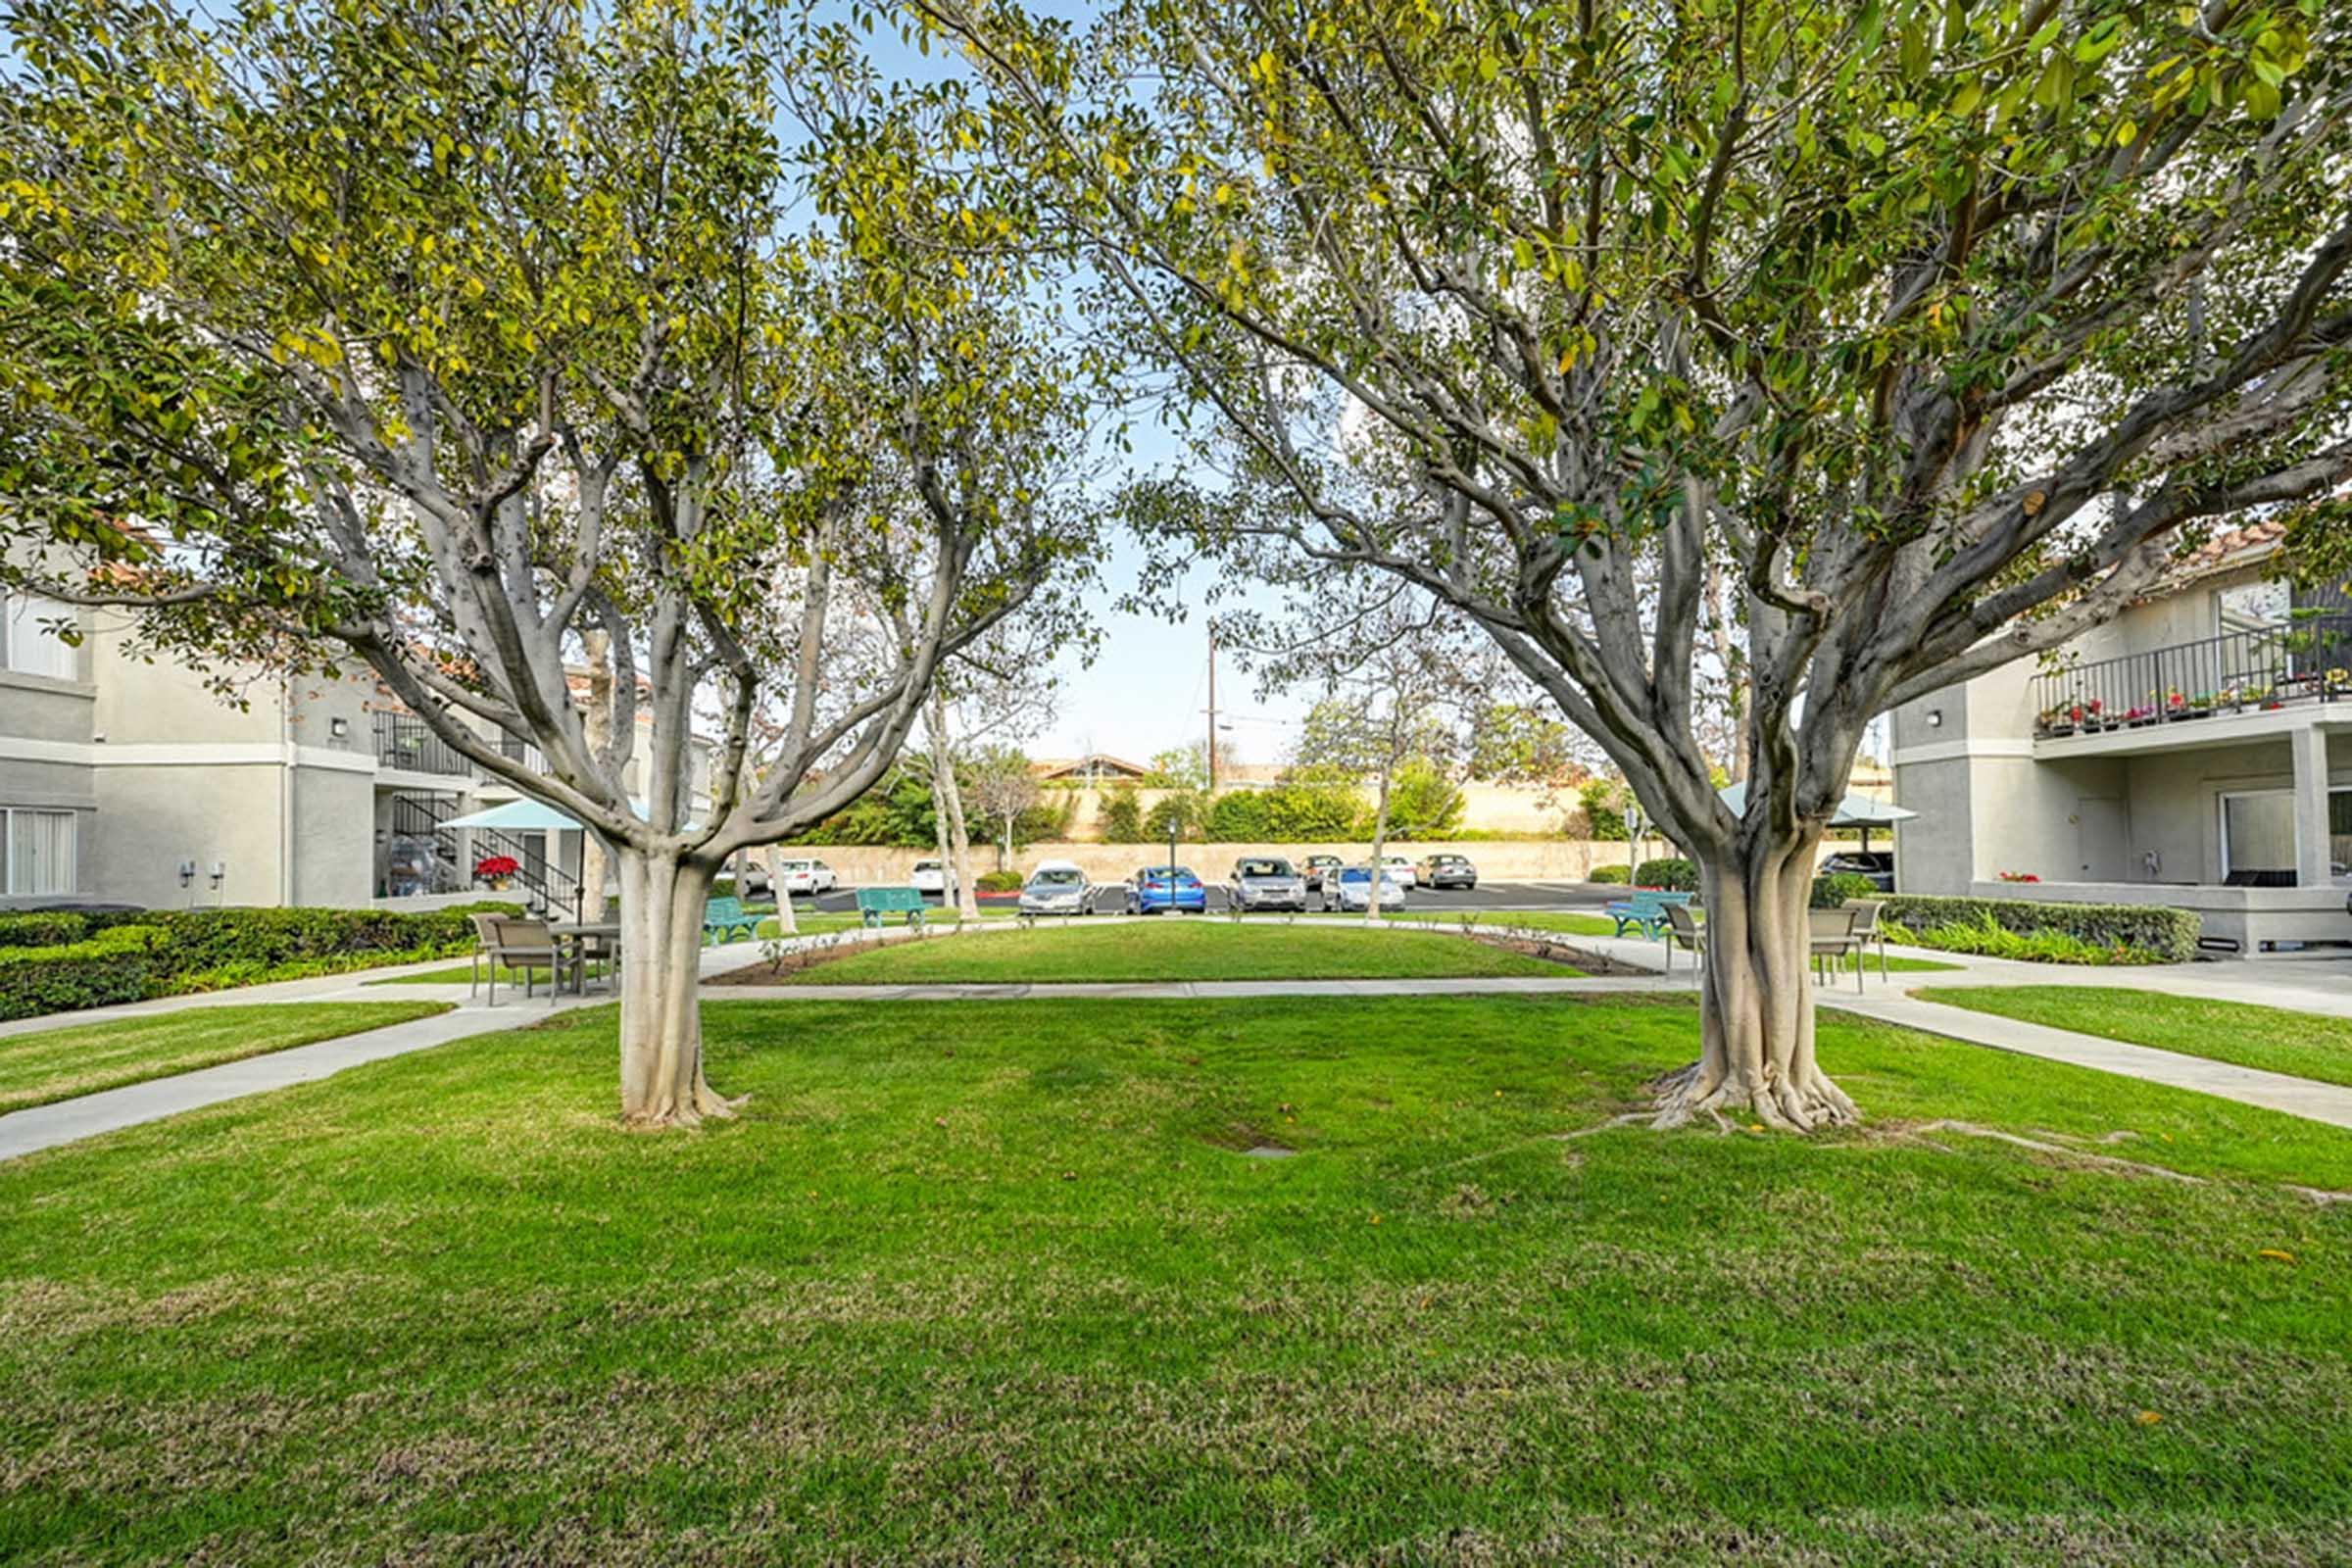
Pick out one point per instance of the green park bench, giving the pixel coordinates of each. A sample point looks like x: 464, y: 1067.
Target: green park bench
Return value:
x: 723, y: 917
x: 874, y: 904
x: 1645, y: 910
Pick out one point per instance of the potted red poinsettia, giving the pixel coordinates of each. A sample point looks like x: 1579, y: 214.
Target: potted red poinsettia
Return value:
x: 495, y: 869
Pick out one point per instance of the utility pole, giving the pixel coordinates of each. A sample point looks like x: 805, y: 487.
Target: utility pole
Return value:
x: 1212, y: 709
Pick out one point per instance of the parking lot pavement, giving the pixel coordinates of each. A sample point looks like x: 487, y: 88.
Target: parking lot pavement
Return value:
x: 1110, y: 899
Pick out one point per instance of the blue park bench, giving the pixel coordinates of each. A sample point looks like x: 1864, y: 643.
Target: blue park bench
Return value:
x: 876, y: 904
x: 1644, y: 908
x: 723, y: 917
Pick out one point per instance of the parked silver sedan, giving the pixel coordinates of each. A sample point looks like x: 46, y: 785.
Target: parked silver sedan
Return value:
x: 1266, y: 882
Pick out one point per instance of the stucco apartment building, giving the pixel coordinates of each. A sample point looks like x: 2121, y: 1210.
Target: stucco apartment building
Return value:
x: 2196, y: 752
x: 130, y: 780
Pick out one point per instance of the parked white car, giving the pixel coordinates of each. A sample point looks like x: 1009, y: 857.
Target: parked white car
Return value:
x: 930, y: 876
x: 1350, y: 888
x: 1399, y: 870
x: 806, y: 876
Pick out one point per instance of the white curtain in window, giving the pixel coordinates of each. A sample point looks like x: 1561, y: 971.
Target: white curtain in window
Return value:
x: 30, y: 645
x: 2258, y: 832
x: 40, y: 852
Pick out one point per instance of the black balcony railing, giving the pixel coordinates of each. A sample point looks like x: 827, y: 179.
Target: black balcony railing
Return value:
x: 2306, y: 661
x: 404, y: 740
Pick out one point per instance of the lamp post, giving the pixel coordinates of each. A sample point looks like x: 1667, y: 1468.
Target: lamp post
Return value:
x: 1632, y: 837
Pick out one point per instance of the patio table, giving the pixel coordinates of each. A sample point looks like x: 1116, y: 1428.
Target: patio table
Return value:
x: 591, y: 940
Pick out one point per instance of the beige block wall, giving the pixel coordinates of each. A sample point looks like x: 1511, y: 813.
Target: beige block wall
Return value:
x: 1485, y: 809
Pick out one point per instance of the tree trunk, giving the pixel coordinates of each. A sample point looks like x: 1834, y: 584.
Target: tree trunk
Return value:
x: 1380, y: 843
x: 947, y: 799
x: 788, y: 923
x: 1756, y: 1010
x: 661, y: 1082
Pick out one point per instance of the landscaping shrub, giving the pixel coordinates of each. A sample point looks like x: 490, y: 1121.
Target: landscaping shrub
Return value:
x: 132, y: 955
x: 997, y: 882
x: 1988, y: 937
x: 41, y: 930
x: 1239, y: 817
x: 1122, y: 817
x: 2162, y: 935
x: 1832, y: 891
x: 1182, y: 813
x: 1672, y: 874
x: 1604, y: 811
x: 120, y: 964
x: 1609, y: 874
x: 1310, y: 809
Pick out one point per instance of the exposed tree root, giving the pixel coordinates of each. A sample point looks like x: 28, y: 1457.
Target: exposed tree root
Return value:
x: 2040, y: 1146
x: 1625, y: 1120
x: 1776, y: 1102
x: 2320, y: 1194
x: 703, y: 1104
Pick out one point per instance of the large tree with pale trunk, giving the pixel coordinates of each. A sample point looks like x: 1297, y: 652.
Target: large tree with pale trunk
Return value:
x: 1911, y: 333
x: 485, y: 343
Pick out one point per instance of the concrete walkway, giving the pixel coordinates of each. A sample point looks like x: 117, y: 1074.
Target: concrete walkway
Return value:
x: 2272, y: 1091
x: 39, y: 1127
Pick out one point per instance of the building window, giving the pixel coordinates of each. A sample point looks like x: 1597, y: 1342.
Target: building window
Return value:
x: 38, y: 852
x: 28, y: 645
x: 2258, y: 836
x: 2252, y: 607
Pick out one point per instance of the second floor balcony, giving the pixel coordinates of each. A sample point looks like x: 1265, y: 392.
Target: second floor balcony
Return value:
x: 2307, y: 660
x: 404, y: 742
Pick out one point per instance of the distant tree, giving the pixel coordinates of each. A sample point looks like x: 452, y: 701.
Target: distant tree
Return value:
x: 1238, y: 816
x: 1603, y: 801
x: 1312, y: 806
x: 1182, y: 813
x: 1003, y: 788
x: 1122, y: 820
x: 1424, y: 800
x: 1393, y: 674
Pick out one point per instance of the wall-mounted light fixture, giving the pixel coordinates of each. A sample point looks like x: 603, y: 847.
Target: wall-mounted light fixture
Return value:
x: 1934, y: 718
x: 338, y: 727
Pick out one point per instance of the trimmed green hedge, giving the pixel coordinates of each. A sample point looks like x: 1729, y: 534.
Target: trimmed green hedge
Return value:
x: 129, y: 956
x: 1672, y: 875
x: 1832, y: 891
x: 1609, y: 874
x: 997, y: 882
x: 120, y: 964
x: 42, y: 929
x: 2168, y: 935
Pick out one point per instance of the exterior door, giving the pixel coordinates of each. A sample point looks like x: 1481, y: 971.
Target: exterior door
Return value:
x: 2102, y: 839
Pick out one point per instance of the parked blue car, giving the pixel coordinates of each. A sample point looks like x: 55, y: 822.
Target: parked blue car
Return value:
x: 1157, y: 889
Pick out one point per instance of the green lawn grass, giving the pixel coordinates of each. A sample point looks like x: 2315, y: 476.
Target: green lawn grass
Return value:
x: 1002, y: 1288
x: 2275, y: 1039
x: 49, y: 1064
x: 1187, y: 948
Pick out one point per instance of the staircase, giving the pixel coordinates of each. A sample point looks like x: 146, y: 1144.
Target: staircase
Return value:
x: 547, y: 888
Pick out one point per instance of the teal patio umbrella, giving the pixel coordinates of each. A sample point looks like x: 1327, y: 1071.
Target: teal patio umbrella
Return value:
x: 518, y: 816
x: 1855, y: 810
